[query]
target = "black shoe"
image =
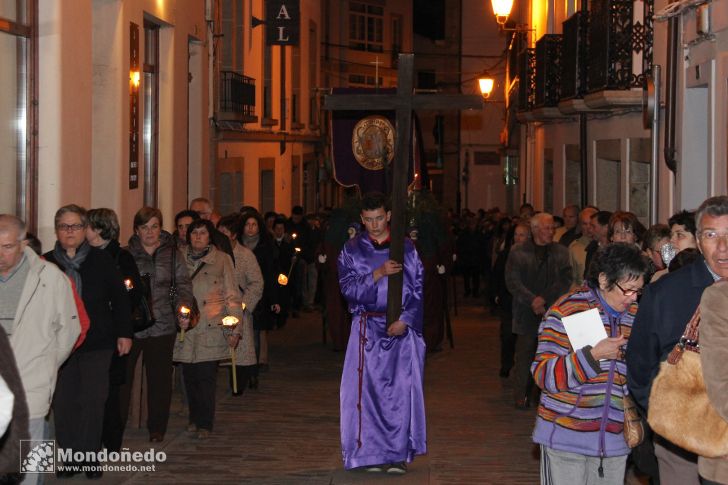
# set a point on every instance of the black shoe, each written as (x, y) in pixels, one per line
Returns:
(504, 373)
(156, 437)
(397, 469)
(63, 474)
(94, 475)
(253, 383)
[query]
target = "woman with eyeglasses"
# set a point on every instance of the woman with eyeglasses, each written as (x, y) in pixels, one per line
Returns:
(625, 227)
(159, 262)
(580, 416)
(83, 380)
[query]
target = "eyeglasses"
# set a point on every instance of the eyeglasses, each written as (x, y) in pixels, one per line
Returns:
(711, 236)
(629, 291)
(623, 231)
(70, 227)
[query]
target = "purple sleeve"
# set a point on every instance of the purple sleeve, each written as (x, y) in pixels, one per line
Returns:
(355, 280)
(412, 291)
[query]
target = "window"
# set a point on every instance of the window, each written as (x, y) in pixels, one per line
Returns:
(396, 35)
(18, 166)
(366, 25)
(150, 136)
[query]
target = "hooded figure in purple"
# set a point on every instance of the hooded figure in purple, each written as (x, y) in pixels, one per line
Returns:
(382, 401)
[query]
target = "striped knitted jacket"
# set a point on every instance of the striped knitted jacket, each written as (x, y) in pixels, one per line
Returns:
(581, 407)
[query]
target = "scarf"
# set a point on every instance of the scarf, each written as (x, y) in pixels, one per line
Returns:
(251, 242)
(72, 266)
(194, 257)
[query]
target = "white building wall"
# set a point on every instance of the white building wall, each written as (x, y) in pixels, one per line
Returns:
(83, 107)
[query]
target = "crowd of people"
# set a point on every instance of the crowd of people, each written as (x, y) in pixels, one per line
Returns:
(77, 320)
(541, 269)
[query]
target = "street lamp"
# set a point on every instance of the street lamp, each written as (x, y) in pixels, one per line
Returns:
(486, 83)
(502, 9)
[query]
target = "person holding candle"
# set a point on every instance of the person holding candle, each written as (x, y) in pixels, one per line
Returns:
(103, 232)
(268, 307)
(158, 259)
(213, 282)
(250, 282)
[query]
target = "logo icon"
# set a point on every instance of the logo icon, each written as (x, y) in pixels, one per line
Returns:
(37, 456)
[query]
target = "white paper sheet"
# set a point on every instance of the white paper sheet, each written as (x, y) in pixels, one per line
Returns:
(585, 328)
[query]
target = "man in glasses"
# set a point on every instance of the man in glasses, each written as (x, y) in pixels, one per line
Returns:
(665, 309)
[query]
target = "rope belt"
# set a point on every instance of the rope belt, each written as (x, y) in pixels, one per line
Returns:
(362, 344)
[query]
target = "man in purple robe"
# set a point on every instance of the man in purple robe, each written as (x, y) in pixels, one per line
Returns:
(382, 401)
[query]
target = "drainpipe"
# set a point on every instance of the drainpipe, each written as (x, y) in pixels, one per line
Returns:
(583, 150)
(673, 38)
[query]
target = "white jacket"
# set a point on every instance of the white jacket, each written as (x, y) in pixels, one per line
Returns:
(44, 331)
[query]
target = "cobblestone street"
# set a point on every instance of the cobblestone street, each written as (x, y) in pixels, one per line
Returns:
(287, 432)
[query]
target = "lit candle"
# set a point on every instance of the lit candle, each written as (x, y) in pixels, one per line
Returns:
(243, 306)
(294, 235)
(230, 321)
(129, 285)
(184, 313)
(282, 279)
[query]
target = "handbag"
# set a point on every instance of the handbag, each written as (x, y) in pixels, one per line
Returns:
(141, 314)
(195, 310)
(634, 427)
(680, 410)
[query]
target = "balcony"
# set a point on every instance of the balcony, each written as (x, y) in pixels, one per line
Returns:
(526, 84)
(620, 52)
(548, 77)
(574, 64)
(237, 98)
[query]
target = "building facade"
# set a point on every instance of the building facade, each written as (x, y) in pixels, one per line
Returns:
(107, 104)
(577, 98)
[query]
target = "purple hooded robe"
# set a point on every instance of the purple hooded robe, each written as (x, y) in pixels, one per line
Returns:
(383, 407)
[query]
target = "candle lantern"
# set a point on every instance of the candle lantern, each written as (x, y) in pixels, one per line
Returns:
(228, 325)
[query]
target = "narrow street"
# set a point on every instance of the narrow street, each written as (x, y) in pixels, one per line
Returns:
(287, 431)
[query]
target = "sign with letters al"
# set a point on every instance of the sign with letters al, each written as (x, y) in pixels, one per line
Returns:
(283, 22)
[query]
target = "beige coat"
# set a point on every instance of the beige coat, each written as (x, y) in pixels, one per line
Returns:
(217, 296)
(713, 357)
(250, 282)
(45, 328)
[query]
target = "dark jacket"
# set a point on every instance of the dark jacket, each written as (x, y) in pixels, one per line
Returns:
(18, 427)
(159, 268)
(282, 256)
(263, 318)
(128, 269)
(526, 278)
(665, 308)
(105, 299)
(304, 238)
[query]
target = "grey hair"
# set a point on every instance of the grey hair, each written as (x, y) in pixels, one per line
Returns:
(537, 219)
(714, 206)
(106, 222)
(9, 222)
(74, 209)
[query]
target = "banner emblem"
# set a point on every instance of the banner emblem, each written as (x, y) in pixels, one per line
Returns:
(372, 142)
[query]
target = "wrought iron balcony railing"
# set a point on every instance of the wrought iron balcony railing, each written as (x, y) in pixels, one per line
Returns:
(548, 70)
(620, 43)
(237, 93)
(526, 79)
(574, 57)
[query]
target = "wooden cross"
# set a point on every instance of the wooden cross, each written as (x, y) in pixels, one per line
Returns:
(404, 102)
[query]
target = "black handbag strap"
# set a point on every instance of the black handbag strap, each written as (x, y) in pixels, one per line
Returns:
(199, 268)
(173, 279)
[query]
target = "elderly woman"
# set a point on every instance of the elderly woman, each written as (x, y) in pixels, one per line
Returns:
(160, 262)
(200, 349)
(103, 232)
(580, 416)
(250, 283)
(83, 380)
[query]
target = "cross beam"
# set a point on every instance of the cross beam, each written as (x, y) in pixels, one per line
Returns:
(404, 102)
